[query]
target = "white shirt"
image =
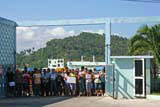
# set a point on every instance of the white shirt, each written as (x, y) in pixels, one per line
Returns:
(97, 80)
(88, 77)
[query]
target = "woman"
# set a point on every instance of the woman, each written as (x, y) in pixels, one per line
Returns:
(97, 82)
(73, 83)
(88, 78)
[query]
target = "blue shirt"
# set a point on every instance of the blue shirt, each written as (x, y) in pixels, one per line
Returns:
(53, 75)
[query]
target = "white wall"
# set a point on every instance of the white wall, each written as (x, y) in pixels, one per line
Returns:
(148, 76)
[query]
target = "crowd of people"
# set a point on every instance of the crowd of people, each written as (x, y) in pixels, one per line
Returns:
(49, 82)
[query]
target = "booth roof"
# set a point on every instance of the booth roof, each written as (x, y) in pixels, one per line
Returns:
(133, 57)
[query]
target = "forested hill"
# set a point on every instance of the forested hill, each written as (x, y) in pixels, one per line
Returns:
(72, 48)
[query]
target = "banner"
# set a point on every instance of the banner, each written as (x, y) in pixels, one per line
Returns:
(71, 80)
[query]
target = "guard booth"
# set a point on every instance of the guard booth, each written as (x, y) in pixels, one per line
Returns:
(7, 50)
(129, 77)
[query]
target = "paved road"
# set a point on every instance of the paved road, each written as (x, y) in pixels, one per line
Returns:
(76, 102)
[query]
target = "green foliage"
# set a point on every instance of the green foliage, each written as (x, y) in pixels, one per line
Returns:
(72, 48)
(146, 41)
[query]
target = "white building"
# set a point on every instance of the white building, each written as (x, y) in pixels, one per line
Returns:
(55, 63)
(88, 64)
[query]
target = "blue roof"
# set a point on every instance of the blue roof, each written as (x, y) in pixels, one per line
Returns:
(99, 68)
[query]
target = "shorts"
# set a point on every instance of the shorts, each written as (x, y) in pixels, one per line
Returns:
(103, 85)
(81, 87)
(26, 86)
(98, 86)
(72, 86)
(88, 86)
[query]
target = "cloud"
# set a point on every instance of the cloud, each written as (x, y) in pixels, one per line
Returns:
(26, 33)
(100, 31)
(60, 32)
(28, 37)
(24, 29)
(117, 34)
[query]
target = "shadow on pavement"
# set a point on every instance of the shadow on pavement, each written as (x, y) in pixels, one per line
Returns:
(30, 101)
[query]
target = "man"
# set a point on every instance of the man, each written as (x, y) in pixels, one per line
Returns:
(45, 82)
(37, 82)
(53, 82)
(102, 78)
(60, 84)
(18, 81)
(66, 85)
(77, 84)
(11, 82)
(81, 81)
(93, 84)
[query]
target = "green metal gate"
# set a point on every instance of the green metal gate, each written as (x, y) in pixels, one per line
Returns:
(110, 80)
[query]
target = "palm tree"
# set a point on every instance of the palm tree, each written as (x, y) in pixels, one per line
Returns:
(146, 40)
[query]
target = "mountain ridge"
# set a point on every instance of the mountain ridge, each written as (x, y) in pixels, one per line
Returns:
(72, 48)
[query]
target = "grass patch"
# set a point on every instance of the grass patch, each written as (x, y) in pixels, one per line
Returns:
(156, 93)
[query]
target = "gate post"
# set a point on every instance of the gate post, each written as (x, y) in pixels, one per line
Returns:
(107, 40)
(108, 85)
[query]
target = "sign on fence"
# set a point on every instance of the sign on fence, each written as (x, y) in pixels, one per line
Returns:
(71, 80)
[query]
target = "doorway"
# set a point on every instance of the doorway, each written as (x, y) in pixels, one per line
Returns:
(139, 76)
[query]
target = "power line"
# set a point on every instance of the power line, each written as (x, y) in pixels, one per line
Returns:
(149, 1)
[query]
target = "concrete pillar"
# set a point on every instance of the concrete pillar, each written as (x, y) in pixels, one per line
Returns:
(107, 40)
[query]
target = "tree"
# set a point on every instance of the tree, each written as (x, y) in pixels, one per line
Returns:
(146, 40)
(72, 48)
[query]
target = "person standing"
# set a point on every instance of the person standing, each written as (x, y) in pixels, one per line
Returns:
(53, 82)
(45, 82)
(81, 82)
(26, 83)
(19, 82)
(77, 84)
(93, 83)
(88, 78)
(60, 84)
(102, 78)
(97, 82)
(49, 81)
(66, 84)
(11, 82)
(37, 82)
(73, 84)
